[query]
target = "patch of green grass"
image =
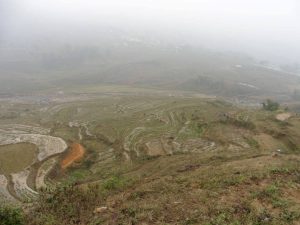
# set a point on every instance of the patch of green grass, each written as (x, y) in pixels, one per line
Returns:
(234, 180)
(270, 192)
(46, 219)
(284, 170)
(252, 143)
(221, 180)
(11, 216)
(63, 203)
(97, 221)
(76, 175)
(225, 217)
(280, 203)
(289, 216)
(114, 183)
(200, 128)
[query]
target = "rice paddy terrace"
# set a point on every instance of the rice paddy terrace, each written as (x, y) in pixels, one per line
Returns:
(143, 137)
(21, 148)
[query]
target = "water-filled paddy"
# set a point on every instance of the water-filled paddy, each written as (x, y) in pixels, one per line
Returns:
(16, 157)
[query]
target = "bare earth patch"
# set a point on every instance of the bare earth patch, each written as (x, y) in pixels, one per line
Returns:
(283, 116)
(76, 154)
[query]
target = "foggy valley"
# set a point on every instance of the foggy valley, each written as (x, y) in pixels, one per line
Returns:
(149, 112)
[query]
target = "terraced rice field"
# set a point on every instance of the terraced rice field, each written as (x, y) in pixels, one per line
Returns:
(115, 130)
(5, 196)
(16, 157)
(22, 147)
(109, 128)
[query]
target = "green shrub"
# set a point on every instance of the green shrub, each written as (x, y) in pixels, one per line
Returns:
(270, 105)
(11, 216)
(114, 183)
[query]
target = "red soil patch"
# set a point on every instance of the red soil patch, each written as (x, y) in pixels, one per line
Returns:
(75, 154)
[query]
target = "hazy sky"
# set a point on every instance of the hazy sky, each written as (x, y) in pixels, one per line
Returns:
(265, 28)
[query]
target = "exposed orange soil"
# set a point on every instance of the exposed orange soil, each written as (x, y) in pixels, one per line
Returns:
(75, 154)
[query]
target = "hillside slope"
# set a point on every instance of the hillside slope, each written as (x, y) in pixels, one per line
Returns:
(163, 160)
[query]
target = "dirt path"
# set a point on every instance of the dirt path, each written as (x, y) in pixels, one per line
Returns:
(75, 154)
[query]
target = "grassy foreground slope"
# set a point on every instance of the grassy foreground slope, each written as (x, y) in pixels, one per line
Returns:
(170, 160)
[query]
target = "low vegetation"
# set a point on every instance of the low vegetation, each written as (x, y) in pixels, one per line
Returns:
(270, 105)
(11, 216)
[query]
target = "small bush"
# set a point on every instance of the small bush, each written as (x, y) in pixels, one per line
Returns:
(114, 183)
(11, 216)
(270, 105)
